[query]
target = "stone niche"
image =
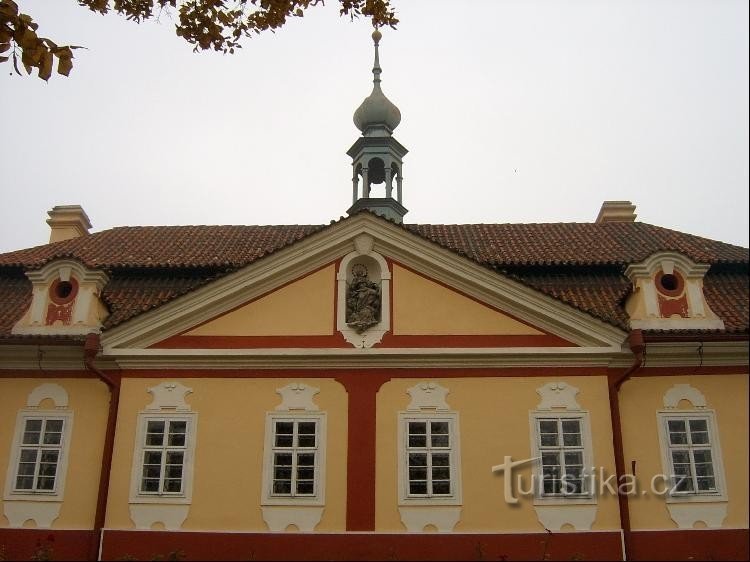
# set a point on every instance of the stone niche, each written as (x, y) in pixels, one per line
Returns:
(363, 313)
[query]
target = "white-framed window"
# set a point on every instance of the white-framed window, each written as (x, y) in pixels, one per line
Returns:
(562, 444)
(163, 458)
(691, 455)
(39, 456)
(294, 459)
(429, 459)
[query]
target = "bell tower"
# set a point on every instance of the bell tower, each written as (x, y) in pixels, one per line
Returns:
(376, 155)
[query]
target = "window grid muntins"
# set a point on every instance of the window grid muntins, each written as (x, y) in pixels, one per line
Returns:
(295, 456)
(691, 456)
(562, 456)
(429, 452)
(164, 449)
(39, 455)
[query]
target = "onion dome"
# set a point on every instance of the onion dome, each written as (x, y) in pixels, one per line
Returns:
(377, 111)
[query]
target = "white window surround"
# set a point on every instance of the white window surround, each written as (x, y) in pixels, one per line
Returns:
(720, 493)
(56, 494)
(540, 498)
(186, 494)
(172, 509)
(364, 244)
(317, 498)
(43, 507)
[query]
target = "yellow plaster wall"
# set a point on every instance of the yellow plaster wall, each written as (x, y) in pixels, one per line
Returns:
(302, 308)
(229, 451)
(641, 398)
(421, 306)
(89, 402)
(494, 422)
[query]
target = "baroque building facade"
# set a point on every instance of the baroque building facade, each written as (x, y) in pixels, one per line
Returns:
(372, 389)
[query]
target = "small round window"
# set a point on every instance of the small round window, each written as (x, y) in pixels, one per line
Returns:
(63, 292)
(670, 284)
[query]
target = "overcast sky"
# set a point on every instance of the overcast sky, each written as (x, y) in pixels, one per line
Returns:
(513, 111)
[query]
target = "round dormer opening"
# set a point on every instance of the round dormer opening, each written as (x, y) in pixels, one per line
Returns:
(63, 292)
(670, 284)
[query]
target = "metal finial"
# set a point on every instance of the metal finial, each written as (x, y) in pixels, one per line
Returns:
(376, 70)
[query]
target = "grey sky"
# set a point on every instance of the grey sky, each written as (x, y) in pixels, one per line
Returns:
(513, 111)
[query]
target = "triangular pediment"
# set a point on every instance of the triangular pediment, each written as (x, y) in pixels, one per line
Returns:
(436, 299)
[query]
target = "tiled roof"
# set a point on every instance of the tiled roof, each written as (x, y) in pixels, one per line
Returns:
(580, 264)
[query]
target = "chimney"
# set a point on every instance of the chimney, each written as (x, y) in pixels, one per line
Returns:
(66, 222)
(616, 211)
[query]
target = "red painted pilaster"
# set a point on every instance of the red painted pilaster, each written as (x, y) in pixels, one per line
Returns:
(362, 392)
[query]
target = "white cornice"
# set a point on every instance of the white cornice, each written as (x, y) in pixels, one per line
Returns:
(323, 248)
(41, 358)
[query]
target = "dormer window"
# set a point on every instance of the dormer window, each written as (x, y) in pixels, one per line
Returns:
(668, 294)
(65, 300)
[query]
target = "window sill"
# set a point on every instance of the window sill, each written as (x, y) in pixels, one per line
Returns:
(573, 500)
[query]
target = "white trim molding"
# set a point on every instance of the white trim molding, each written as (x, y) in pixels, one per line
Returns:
(559, 428)
(161, 479)
(40, 497)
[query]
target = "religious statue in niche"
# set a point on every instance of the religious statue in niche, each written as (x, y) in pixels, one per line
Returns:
(362, 300)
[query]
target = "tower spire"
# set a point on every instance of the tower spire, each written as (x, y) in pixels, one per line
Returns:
(377, 154)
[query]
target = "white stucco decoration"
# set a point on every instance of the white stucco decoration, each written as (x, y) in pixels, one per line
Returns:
(684, 392)
(428, 396)
(558, 395)
(88, 311)
(42, 513)
(146, 515)
(444, 519)
(169, 396)
(297, 396)
(54, 392)
(278, 518)
(686, 515)
(554, 517)
(364, 251)
(643, 303)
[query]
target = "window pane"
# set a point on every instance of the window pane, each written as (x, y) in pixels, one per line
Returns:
(177, 433)
(417, 459)
(282, 487)
(305, 473)
(152, 457)
(698, 425)
(682, 484)
(173, 485)
(676, 425)
(418, 428)
(417, 473)
(282, 459)
(47, 469)
(306, 459)
(680, 457)
(26, 468)
(442, 487)
(417, 440)
(548, 426)
(284, 440)
(439, 428)
(441, 473)
(550, 459)
(440, 440)
(548, 439)
(702, 455)
(704, 469)
(306, 440)
(306, 428)
(572, 439)
(419, 488)
(677, 438)
(699, 437)
(28, 455)
(282, 473)
(53, 432)
(175, 457)
(706, 483)
(574, 458)
(174, 471)
(24, 482)
(150, 485)
(305, 487)
(571, 426)
(54, 426)
(440, 459)
(155, 433)
(151, 471)
(45, 483)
